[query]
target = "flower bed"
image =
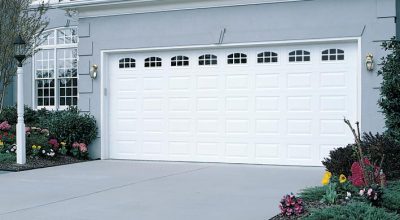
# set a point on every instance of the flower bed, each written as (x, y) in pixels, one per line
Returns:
(363, 193)
(52, 138)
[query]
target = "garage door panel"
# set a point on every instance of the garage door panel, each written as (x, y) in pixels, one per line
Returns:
(287, 113)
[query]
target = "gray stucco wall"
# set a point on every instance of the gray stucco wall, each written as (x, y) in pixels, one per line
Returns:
(372, 20)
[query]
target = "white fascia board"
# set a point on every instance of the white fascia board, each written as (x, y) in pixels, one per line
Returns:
(101, 8)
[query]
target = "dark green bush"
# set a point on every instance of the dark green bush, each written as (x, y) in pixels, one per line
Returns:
(70, 126)
(31, 117)
(312, 194)
(378, 145)
(391, 196)
(340, 160)
(390, 88)
(352, 211)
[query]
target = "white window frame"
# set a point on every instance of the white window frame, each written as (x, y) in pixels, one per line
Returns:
(55, 46)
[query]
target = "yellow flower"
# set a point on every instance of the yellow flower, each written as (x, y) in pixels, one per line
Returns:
(342, 178)
(1, 143)
(326, 178)
(328, 174)
(325, 181)
(63, 143)
(34, 147)
(38, 147)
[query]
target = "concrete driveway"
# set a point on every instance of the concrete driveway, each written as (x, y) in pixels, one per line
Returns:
(135, 190)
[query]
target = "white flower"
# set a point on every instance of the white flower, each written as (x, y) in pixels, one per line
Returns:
(43, 151)
(369, 192)
(349, 194)
(7, 151)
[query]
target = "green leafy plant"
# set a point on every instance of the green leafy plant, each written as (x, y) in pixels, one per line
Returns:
(63, 149)
(31, 117)
(35, 137)
(390, 88)
(331, 195)
(70, 126)
(351, 211)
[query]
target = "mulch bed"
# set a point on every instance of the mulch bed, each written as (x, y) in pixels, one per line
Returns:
(35, 163)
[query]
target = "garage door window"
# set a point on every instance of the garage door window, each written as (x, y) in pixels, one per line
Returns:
(180, 61)
(153, 62)
(237, 58)
(208, 60)
(127, 63)
(267, 57)
(332, 55)
(299, 56)
(55, 69)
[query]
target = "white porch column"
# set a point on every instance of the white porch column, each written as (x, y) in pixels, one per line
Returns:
(21, 148)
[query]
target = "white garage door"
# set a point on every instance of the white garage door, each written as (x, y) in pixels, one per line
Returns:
(263, 105)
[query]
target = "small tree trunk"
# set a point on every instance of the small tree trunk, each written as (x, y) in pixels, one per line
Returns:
(2, 96)
(367, 177)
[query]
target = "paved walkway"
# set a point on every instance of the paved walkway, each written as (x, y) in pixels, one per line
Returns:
(120, 190)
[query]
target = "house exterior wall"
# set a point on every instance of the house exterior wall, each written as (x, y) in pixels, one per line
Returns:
(370, 20)
(57, 18)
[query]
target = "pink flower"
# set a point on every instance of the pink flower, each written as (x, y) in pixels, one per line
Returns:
(82, 147)
(54, 143)
(362, 192)
(75, 145)
(27, 129)
(4, 126)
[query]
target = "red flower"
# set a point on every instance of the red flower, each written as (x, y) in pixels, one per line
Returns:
(357, 174)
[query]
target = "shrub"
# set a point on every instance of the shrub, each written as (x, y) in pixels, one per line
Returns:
(390, 88)
(351, 211)
(31, 117)
(312, 194)
(340, 160)
(378, 145)
(391, 196)
(375, 146)
(70, 126)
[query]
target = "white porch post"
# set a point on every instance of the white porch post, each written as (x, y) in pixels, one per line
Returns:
(21, 149)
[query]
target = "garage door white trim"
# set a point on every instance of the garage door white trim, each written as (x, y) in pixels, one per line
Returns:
(105, 80)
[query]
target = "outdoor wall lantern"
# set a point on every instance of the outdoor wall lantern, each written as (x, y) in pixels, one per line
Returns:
(93, 71)
(369, 62)
(20, 50)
